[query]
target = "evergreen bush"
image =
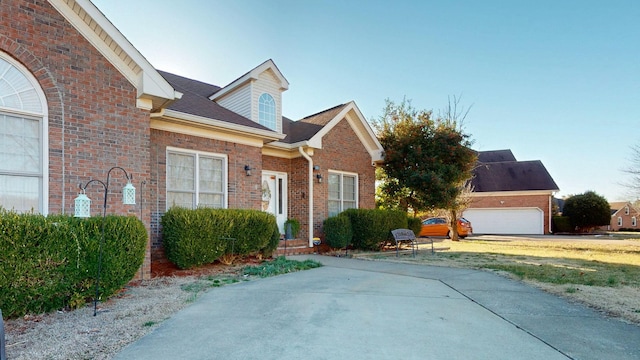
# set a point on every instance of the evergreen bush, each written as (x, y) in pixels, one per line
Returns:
(49, 263)
(337, 232)
(201, 236)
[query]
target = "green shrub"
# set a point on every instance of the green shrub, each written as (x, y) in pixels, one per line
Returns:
(561, 224)
(295, 227)
(414, 224)
(337, 232)
(372, 227)
(201, 236)
(51, 262)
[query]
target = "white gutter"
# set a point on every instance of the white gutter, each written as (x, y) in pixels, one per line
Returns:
(310, 160)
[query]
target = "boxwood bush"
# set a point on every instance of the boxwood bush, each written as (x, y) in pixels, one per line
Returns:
(337, 232)
(372, 227)
(414, 224)
(51, 262)
(562, 224)
(201, 236)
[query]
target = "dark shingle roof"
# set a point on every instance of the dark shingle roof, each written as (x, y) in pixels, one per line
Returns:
(306, 128)
(195, 101)
(495, 156)
(512, 176)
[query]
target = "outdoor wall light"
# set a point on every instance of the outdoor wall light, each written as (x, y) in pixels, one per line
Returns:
(319, 177)
(248, 169)
(83, 210)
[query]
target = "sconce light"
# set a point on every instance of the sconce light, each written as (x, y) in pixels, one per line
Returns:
(248, 169)
(319, 177)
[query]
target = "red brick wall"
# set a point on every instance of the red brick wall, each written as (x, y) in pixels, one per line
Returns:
(342, 151)
(626, 219)
(93, 120)
(518, 201)
(244, 192)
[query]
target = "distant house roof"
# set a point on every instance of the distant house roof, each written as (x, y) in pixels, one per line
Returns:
(617, 206)
(493, 176)
(495, 156)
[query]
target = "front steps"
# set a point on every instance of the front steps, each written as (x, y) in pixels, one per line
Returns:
(297, 247)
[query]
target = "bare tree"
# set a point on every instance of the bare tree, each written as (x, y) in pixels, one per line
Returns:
(634, 170)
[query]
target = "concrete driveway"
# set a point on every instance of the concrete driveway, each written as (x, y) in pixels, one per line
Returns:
(359, 309)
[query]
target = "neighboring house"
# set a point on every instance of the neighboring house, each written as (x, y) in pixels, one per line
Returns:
(623, 216)
(510, 196)
(76, 98)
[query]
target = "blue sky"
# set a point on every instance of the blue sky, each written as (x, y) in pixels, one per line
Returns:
(556, 81)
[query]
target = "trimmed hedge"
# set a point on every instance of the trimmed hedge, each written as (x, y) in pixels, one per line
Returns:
(562, 224)
(337, 232)
(372, 227)
(414, 224)
(49, 263)
(201, 236)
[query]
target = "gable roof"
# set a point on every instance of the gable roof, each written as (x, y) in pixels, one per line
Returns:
(109, 41)
(310, 130)
(495, 156)
(305, 128)
(512, 176)
(195, 101)
(252, 74)
(616, 207)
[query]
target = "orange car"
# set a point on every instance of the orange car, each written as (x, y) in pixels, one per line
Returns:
(437, 226)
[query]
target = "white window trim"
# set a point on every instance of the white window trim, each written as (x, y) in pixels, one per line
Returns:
(44, 129)
(225, 176)
(275, 111)
(619, 220)
(626, 210)
(634, 221)
(357, 188)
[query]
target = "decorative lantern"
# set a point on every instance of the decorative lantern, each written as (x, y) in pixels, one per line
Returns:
(82, 206)
(129, 194)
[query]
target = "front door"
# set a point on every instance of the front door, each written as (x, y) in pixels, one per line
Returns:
(274, 196)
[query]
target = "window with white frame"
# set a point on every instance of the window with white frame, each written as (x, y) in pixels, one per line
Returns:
(619, 220)
(196, 179)
(626, 210)
(23, 139)
(634, 222)
(343, 192)
(267, 111)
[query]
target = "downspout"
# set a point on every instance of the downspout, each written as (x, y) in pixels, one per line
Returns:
(310, 160)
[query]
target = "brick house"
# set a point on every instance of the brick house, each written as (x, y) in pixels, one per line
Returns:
(77, 98)
(623, 215)
(510, 196)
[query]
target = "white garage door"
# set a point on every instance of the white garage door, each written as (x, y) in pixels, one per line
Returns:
(506, 221)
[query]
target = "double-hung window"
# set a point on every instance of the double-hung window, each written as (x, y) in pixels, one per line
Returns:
(23, 140)
(196, 179)
(343, 192)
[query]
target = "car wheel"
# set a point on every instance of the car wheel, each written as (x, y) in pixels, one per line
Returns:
(462, 237)
(449, 235)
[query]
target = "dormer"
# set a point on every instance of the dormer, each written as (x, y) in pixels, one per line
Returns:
(256, 95)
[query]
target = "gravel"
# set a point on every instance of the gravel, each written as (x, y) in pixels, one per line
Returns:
(77, 334)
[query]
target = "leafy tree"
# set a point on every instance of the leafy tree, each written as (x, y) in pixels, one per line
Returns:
(587, 211)
(427, 161)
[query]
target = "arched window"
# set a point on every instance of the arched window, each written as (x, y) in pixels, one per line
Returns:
(23, 139)
(267, 111)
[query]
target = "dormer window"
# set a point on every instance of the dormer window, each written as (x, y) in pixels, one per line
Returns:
(267, 111)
